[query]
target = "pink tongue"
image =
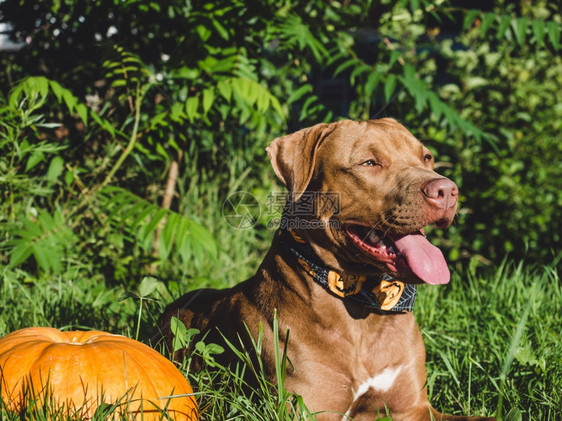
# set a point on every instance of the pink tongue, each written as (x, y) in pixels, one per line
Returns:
(424, 259)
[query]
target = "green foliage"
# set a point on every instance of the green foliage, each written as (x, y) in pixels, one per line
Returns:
(511, 183)
(109, 96)
(46, 237)
(45, 213)
(486, 337)
(209, 84)
(133, 219)
(507, 339)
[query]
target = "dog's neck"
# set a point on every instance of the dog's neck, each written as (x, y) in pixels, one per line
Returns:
(382, 293)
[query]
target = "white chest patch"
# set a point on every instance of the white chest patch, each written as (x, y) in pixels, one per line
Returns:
(381, 382)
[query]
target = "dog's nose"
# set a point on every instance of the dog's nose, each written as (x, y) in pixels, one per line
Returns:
(441, 193)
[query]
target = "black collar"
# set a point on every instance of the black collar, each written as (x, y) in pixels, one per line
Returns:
(384, 294)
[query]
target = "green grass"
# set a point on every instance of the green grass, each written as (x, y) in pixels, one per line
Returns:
(493, 341)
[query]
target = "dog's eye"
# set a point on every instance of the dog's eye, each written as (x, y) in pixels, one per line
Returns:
(427, 157)
(369, 163)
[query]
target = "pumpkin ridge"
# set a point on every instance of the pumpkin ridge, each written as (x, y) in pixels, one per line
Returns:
(156, 390)
(8, 354)
(181, 377)
(36, 366)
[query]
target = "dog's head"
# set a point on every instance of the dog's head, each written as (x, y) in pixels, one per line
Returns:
(361, 193)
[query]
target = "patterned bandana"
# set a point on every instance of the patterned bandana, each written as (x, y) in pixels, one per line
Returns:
(383, 294)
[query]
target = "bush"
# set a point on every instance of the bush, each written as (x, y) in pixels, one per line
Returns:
(140, 117)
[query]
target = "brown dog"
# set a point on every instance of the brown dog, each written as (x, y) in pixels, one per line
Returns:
(342, 271)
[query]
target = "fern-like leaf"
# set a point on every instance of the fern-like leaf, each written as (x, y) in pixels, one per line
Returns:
(139, 220)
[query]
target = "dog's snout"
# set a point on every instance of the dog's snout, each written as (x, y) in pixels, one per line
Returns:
(441, 193)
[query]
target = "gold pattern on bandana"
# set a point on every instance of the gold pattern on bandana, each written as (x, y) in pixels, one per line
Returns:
(388, 293)
(306, 267)
(344, 285)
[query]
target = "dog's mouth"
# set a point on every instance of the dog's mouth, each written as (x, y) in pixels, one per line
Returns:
(405, 255)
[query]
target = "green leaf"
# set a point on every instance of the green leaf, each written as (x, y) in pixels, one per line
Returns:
(225, 65)
(299, 93)
(225, 89)
(357, 71)
(191, 106)
(415, 86)
(487, 20)
(141, 213)
(345, 65)
(204, 32)
(55, 169)
(202, 237)
(221, 30)
(162, 151)
(149, 229)
(126, 295)
(335, 56)
(394, 56)
(186, 73)
(167, 236)
(309, 101)
(419, 91)
(520, 28)
(475, 82)
(553, 29)
(372, 81)
(182, 335)
(48, 125)
(118, 83)
(414, 5)
(82, 112)
(35, 158)
(69, 99)
(138, 211)
(538, 31)
(208, 98)
(42, 85)
(68, 178)
(104, 124)
(263, 101)
(242, 87)
(214, 349)
(57, 89)
(409, 72)
(20, 253)
(504, 24)
(183, 245)
(32, 229)
(469, 19)
(147, 286)
(44, 256)
(276, 105)
(179, 330)
(436, 105)
(389, 86)
(104, 410)
(513, 415)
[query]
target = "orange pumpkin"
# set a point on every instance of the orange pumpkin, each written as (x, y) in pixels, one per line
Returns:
(82, 367)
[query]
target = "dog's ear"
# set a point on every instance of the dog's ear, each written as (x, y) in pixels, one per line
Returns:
(293, 156)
